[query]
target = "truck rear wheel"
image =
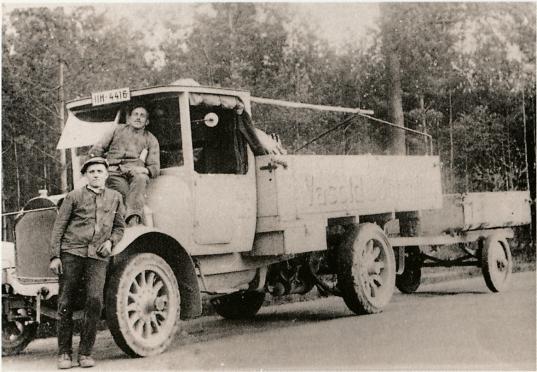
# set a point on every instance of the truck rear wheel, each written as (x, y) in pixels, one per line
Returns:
(143, 305)
(410, 279)
(366, 269)
(239, 305)
(496, 263)
(16, 335)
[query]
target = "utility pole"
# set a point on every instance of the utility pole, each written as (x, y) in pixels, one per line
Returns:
(63, 157)
(17, 175)
(525, 141)
(530, 186)
(451, 157)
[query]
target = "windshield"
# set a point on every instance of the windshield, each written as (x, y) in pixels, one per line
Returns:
(86, 126)
(221, 148)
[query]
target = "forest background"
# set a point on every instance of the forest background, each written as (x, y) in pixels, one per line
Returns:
(461, 72)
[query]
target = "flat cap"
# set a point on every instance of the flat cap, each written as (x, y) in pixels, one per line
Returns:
(94, 160)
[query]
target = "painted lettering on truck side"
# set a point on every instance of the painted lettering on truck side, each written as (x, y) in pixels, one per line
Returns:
(335, 193)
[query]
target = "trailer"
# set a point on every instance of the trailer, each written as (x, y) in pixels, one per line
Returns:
(479, 224)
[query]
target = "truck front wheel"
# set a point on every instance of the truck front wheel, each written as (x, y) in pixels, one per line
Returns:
(366, 269)
(239, 305)
(143, 305)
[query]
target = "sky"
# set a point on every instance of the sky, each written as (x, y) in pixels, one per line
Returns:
(339, 21)
(335, 22)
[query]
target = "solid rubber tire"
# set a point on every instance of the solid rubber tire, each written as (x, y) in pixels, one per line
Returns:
(118, 286)
(14, 347)
(239, 305)
(489, 265)
(410, 279)
(351, 271)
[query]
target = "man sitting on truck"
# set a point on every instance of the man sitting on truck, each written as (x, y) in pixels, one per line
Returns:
(133, 155)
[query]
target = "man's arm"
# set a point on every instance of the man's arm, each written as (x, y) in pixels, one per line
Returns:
(60, 224)
(101, 147)
(118, 226)
(152, 162)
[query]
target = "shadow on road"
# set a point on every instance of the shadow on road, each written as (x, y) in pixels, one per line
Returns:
(447, 293)
(219, 328)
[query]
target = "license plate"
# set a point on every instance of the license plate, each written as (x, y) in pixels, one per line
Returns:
(110, 96)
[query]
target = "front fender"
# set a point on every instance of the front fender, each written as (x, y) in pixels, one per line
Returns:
(130, 235)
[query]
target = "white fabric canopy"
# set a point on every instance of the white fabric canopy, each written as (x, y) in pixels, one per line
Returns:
(78, 133)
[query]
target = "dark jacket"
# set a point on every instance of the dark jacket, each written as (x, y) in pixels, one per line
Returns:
(86, 220)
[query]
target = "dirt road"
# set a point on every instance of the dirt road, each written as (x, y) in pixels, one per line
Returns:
(452, 325)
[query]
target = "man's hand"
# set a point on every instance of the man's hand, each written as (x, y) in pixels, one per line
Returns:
(56, 266)
(105, 249)
(138, 170)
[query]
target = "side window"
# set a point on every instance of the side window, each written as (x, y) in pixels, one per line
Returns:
(220, 149)
(164, 123)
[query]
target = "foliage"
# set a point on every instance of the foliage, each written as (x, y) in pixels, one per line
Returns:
(464, 69)
(35, 41)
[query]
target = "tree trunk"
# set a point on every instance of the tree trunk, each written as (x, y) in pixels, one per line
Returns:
(397, 136)
(396, 142)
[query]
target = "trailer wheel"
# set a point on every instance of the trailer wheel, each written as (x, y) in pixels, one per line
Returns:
(142, 305)
(366, 269)
(16, 335)
(410, 279)
(496, 263)
(239, 305)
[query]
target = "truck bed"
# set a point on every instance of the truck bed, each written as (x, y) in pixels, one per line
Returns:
(297, 194)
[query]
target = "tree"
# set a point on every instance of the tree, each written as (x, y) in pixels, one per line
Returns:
(237, 45)
(35, 40)
(391, 49)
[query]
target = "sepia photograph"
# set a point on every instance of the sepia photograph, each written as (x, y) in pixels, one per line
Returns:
(268, 185)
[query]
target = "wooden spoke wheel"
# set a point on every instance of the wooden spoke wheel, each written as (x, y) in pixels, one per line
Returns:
(143, 305)
(496, 263)
(366, 269)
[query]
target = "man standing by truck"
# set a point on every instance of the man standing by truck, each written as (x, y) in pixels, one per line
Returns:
(89, 223)
(134, 156)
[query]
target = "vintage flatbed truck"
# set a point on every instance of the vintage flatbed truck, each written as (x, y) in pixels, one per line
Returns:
(227, 221)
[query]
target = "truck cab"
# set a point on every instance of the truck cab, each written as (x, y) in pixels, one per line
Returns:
(205, 195)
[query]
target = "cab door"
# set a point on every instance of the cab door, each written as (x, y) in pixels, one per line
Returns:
(223, 181)
(225, 208)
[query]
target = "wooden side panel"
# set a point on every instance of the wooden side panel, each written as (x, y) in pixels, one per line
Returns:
(321, 187)
(496, 209)
(464, 212)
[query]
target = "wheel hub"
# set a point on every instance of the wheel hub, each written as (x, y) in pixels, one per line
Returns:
(159, 304)
(500, 259)
(372, 260)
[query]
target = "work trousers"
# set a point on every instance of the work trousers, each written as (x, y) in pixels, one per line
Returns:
(132, 187)
(80, 271)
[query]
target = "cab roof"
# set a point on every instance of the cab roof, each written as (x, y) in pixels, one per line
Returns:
(244, 95)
